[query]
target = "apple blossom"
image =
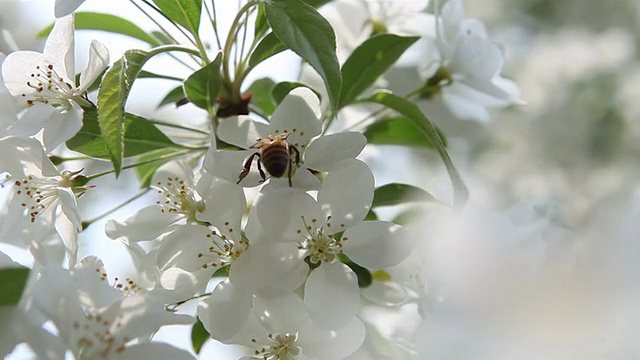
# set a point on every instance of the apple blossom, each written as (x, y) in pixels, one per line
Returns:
(40, 195)
(45, 82)
(66, 7)
(461, 67)
(280, 328)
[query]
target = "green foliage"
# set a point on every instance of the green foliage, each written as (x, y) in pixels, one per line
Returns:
(202, 87)
(12, 283)
(309, 35)
(113, 93)
(199, 336)
(176, 94)
(413, 113)
(364, 275)
(183, 12)
(261, 97)
(152, 161)
(398, 131)
(394, 194)
(268, 46)
(140, 136)
(108, 23)
(368, 61)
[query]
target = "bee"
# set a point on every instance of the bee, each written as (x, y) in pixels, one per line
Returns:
(275, 154)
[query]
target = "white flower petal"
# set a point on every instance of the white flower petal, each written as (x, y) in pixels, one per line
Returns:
(377, 244)
(225, 312)
(62, 126)
(229, 164)
(33, 120)
(347, 193)
(66, 7)
(476, 57)
(326, 151)
(453, 96)
(98, 61)
(268, 267)
(332, 296)
(147, 351)
(58, 49)
(317, 343)
(281, 212)
(146, 224)
(283, 314)
(242, 131)
(294, 112)
(386, 293)
(16, 70)
(225, 204)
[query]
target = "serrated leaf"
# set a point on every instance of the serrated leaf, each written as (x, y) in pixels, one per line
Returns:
(146, 171)
(140, 136)
(106, 22)
(183, 12)
(261, 97)
(308, 34)
(394, 194)
(175, 95)
(398, 131)
(112, 96)
(370, 60)
(12, 283)
(202, 87)
(282, 89)
(199, 336)
(268, 46)
(413, 113)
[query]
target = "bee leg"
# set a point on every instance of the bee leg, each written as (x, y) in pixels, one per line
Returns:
(293, 149)
(264, 177)
(247, 167)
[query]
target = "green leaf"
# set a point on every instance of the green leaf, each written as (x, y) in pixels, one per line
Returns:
(394, 194)
(175, 95)
(140, 136)
(282, 89)
(199, 336)
(149, 75)
(412, 112)
(364, 275)
(202, 87)
(268, 46)
(183, 12)
(146, 171)
(370, 60)
(106, 22)
(261, 97)
(261, 25)
(12, 283)
(113, 93)
(398, 131)
(308, 34)
(316, 3)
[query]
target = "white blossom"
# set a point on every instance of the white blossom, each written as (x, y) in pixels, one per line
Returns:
(45, 82)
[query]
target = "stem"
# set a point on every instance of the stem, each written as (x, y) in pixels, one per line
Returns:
(86, 223)
(214, 23)
(231, 40)
(163, 157)
(165, 32)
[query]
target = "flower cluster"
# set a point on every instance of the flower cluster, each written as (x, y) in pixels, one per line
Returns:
(267, 214)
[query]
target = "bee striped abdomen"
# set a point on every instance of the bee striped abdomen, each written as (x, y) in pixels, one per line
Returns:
(275, 158)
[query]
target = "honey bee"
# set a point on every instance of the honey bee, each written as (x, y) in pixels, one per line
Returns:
(277, 156)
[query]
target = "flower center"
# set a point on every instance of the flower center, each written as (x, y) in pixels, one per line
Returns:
(281, 347)
(50, 87)
(95, 335)
(38, 194)
(320, 243)
(179, 198)
(222, 251)
(440, 79)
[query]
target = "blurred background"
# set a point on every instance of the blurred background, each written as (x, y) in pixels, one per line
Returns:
(567, 161)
